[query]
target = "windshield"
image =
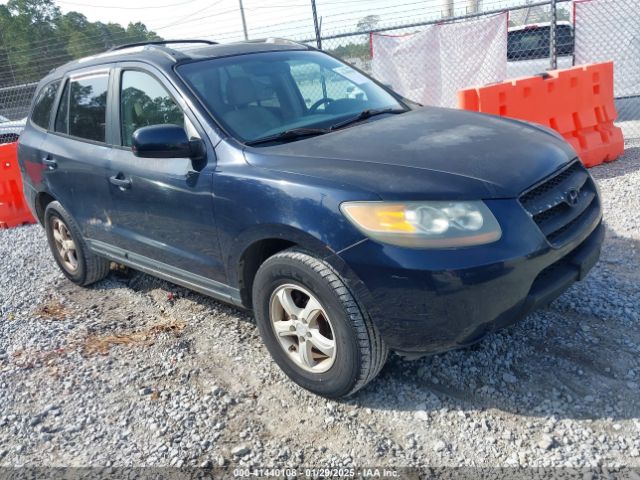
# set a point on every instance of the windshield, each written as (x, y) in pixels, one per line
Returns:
(263, 94)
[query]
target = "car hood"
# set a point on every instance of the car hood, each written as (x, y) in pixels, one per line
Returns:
(426, 153)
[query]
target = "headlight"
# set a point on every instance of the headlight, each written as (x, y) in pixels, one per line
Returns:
(425, 224)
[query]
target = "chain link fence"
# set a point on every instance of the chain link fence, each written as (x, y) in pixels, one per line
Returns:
(529, 32)
(20, 74)
(14, 100)
(539, 35)
(610, 30)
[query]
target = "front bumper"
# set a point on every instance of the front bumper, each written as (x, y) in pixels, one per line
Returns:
(436, 300)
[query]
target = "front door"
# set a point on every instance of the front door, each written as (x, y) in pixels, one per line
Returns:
(162, 208)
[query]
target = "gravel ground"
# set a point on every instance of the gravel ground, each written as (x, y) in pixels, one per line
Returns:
(137, 372)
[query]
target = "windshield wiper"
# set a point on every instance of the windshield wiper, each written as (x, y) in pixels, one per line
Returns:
(363, 115)
(294, 133)
(289, 135)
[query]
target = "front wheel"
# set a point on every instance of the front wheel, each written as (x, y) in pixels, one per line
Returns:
(313, 327)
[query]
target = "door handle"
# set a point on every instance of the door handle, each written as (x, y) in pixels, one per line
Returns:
(50, 162)
(120, 181)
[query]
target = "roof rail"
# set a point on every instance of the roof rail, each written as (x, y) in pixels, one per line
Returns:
(159, 42)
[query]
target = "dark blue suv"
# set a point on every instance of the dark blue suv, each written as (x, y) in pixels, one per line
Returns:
(275, 177)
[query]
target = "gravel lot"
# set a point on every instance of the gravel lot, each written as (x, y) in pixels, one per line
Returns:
(137, 372)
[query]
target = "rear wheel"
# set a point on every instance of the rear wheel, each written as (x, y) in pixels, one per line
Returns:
(313, 327)
(69, 248)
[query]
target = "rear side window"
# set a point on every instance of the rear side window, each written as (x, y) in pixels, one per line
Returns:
(44, 103)
(83, 108)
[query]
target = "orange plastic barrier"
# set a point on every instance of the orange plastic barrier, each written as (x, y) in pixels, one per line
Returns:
(576, 102)
(13, 209)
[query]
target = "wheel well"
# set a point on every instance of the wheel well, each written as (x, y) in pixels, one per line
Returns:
(42, 200)
(251, 260)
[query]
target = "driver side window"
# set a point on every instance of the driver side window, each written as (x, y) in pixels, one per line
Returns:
(319, 85)
(143, 102)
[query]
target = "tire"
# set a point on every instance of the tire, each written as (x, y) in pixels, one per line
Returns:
(89, 268)
(359, 352)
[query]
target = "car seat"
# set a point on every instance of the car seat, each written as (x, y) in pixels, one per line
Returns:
(251, 121)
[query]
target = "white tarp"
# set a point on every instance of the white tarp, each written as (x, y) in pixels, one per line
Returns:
(430, 66)
(610, 30)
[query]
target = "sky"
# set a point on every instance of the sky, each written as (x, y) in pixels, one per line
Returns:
(220, 19)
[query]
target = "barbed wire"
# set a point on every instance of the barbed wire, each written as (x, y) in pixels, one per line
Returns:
(43, 45)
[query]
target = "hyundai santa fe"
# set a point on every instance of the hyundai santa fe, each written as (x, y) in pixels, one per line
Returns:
(275, 177)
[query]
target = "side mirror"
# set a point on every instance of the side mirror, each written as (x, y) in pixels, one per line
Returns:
(165, 141)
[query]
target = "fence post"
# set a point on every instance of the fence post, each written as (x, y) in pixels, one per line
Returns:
(244, 21)
(316, 25)
(553, 51)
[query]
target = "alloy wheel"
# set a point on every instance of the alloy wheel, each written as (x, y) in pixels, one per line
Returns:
(65, 245)
(303, 328)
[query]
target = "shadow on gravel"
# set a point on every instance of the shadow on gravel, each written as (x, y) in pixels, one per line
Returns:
(577, 359)
(628, 163)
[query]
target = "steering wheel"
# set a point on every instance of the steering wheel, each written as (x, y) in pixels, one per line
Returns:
(313, 108)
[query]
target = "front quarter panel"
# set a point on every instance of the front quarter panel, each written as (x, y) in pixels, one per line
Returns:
(253, 203)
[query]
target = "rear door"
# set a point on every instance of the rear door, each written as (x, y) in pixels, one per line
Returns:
(35, 172)
(163, 215)
(77, 152)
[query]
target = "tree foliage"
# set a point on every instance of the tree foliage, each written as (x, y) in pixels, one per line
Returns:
(35, 37)
(360, 50)
(352, 50)
(368, 23)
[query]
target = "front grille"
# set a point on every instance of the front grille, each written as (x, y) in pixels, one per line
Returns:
(563, 204)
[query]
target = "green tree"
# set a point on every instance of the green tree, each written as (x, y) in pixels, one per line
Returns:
(368, 23)
(352, 50)
(139, 30)
(37, 11)
(36, 37)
